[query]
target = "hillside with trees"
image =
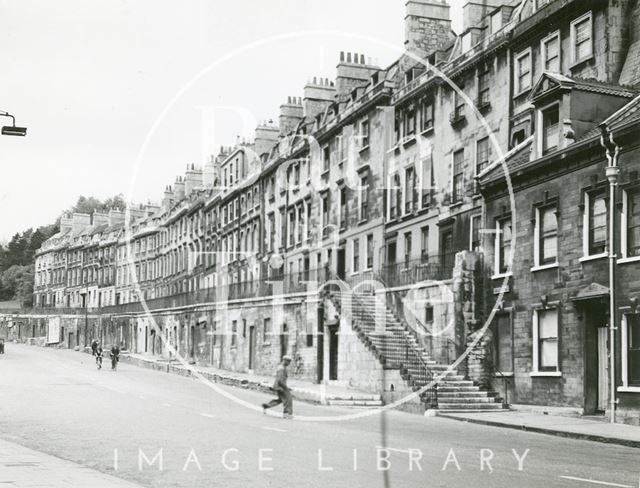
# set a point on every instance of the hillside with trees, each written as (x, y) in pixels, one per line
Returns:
(18, 255)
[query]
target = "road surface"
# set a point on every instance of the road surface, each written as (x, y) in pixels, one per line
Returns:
(163, 430)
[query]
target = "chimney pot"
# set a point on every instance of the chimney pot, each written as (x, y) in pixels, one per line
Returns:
(348, 57)
(342, 56)
(362, 59)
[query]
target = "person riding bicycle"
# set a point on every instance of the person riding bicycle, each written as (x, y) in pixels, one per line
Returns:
(115, 356)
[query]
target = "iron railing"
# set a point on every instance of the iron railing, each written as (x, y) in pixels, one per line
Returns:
(409, 272)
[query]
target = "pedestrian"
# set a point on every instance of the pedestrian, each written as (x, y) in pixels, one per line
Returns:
(94, 346)
(282, 390)
(1, 346)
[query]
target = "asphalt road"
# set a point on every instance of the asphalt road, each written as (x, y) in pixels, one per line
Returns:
(55, 401)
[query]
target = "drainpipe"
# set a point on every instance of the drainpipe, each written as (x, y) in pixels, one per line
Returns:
(612, 171)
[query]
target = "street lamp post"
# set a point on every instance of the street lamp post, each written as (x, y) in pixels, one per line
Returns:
(612, 172)
(12, 130)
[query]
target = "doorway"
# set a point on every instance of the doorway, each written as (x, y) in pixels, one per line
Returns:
(333, 352)
(596, 378)
(252, 347)
(341, 263)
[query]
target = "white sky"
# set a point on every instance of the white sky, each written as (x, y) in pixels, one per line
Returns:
(90, 78)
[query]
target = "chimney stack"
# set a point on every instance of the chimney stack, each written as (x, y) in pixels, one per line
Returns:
(66, 223)
(99, 218)
(115, 217)
(192, 179)
(474, 12)
(318, 95)
(179, 191)
(291, 114)
(351, 73)
(80, 221)
(266, 137)
(427, 26)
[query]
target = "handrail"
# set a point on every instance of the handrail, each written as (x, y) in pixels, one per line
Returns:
(423, 367)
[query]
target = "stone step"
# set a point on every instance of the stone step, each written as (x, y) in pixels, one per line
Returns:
(455, 383)
(462, 394)
(444, 388)
(465, 400)
(473, 407)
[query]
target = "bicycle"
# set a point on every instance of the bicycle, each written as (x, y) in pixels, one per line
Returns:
(99, 361)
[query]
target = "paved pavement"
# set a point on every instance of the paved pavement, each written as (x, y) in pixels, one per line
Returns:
(21, 467)
(55, 402)
(577, 428)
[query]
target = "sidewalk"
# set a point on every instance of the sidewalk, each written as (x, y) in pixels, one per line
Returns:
(573, 427)
(22, 467)
(301, 390)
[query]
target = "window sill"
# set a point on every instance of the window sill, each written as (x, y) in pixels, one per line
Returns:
(577, 64)
(501, 276)
(363, 149)
(548, 374)
(594, 257)
(544, 266)
(363, 221)
(629, 389)
(325, 173)
(456, 204)
(427, 132)
(633, 259)
(505, 375)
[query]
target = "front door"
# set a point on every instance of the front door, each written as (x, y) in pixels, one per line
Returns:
(596, 377)
(284, 341)
(333, 353)
(603, 369)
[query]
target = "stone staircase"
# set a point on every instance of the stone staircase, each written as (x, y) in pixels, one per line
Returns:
(396, 347)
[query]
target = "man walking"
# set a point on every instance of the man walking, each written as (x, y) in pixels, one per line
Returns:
(94, 346)
(282, 390)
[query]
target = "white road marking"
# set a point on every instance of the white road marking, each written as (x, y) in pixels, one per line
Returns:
(274, 429)
(208, 415)
(595, 482)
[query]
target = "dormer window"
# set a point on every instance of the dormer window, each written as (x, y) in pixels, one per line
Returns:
(375, 78)
(550, 129)
(466, 42)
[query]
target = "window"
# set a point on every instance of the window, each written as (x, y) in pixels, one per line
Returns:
(428, 314)
(458, 176)
(483, 154)
(550, 50)
(426, 111)
(631, 224)
(474, 236)
(550, 129)
(407, 248)
(356, 255)
(502, 343)
(325, 214)
(234, 333)
(291, 229)
(370, 251)
(503, 245)
(266, 331)
(631, 348)
(364, 133)
(272, 231)
(523, 72)
(595, 223)
(343, 207)
(459, 102)
(424, 243)
(283, 229)
(364, 198)
(308, 220)
(395, 192)
(483, 86)
(545, 345)
(410, 121)
(427, 180)
(547, 229)
(410, 189)
(582, 38)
